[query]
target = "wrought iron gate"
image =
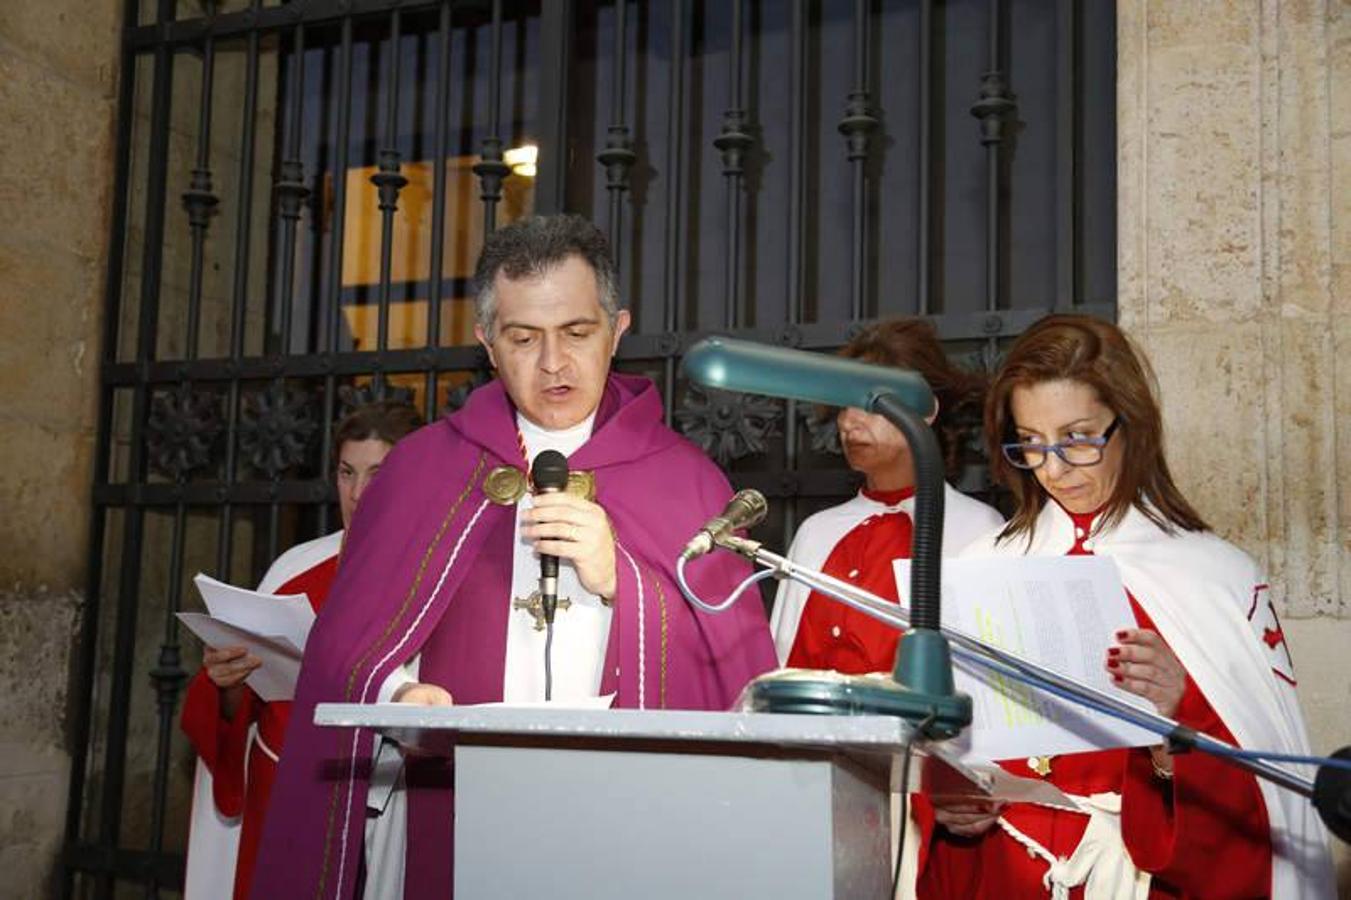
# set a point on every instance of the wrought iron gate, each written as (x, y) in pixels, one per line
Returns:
(301, 189)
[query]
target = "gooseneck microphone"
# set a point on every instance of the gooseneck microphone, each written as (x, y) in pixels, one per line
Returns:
(549, 474)
(744, 510)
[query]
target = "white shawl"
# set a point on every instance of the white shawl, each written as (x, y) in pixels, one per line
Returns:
(1208, 600)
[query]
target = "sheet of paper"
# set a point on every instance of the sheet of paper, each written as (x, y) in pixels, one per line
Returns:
(289, 616)
(569, 703)
(1061, 612)
(276, 678)
(987, 781)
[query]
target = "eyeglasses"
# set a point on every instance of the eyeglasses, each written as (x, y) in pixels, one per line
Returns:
(1082, 451)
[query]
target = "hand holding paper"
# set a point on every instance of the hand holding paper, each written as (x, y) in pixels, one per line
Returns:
(1062, 612)
(271, 628)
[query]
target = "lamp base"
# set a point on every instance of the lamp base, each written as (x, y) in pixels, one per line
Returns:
(825, 693)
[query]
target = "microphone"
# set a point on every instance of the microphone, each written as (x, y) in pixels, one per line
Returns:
(752, 368)
(1332, 796)
(744, 510)
(549, 474)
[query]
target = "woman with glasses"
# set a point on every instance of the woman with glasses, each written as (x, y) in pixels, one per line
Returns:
(857, 540)
(1075, 433)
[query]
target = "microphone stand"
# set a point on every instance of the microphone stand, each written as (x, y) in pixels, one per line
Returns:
(922, 689)
(973, 650)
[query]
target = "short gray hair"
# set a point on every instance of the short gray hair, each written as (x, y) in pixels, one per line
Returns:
(530, 248)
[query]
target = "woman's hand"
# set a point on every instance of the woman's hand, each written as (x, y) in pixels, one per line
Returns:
(964, 816)
(227, 667)
(1143, 664)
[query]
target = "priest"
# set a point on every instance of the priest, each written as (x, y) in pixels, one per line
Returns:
(434, 602)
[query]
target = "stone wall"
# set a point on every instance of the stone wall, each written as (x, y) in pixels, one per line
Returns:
(1234, 123)
(58, 71)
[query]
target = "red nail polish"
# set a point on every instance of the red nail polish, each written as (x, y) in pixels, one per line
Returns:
(1113, 663)
(1117, 678)
(1113, 651)
(1122, 635)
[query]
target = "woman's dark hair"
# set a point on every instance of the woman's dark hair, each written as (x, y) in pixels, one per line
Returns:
(386, 420)
(1097, 354)
(913, 344)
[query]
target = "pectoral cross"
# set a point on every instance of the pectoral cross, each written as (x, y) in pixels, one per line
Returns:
(534, 604)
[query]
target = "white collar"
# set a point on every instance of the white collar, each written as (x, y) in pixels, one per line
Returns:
(565, 440)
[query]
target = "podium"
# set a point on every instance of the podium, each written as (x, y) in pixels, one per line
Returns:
(573, 803)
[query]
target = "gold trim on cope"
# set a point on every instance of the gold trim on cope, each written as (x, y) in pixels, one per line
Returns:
(505, 485)
(582, 484)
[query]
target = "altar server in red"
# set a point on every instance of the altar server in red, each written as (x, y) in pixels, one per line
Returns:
(1075, 432)
(237, 736)
(857, 540)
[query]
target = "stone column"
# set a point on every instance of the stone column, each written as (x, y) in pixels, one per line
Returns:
(1234, 192)
(58, 71)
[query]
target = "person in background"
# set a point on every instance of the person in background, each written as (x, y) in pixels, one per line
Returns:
(857, 540)
(237, 736)
(1074, 430)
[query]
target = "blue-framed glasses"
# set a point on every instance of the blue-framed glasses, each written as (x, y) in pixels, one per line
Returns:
(1079, 451)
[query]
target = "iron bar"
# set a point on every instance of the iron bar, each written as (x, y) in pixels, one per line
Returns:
(618, 156)
(810, 336)
(264, 21)
(1068, 287)
(440, 116)
(168, 677)
(83, 671)
(797, 239)
(244, 204)
(675, 220)
(992, 108)
(555, 59)
(124, 646)
(734, 143)
(388, 180)
(924, 231)
(290, 188)
(857, 127)
(491, 169)
(199, 199)
(334, 294)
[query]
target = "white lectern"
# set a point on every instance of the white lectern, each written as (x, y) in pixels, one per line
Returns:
(628, 804)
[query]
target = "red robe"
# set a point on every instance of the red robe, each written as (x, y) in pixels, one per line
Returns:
(834, 636)
(243, 770)
(1203, 834)
(856, 542)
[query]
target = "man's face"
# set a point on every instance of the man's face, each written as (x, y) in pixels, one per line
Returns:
(553, 344)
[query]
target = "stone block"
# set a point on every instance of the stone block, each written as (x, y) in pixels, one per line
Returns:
(58, 141)
(31, 831)
(1319, 650)
(80, 42)
(1202, 186)
(1301, 180)
(49, 335)
(1215, 433)
(37, 636)
(1341, 363)
(44, 487)
(1302, 460)
(1202, 24)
